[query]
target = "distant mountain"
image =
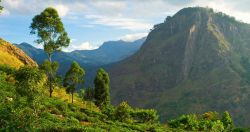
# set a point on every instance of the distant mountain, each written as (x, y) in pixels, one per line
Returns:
(12, 56)
(111, 51)
(91, 60)
(196, 61)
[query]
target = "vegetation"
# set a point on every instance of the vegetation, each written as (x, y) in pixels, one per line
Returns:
(101, 93)
(73, 77)
(51, 33)
(1, 8)
(25, 106)
(197, 60)
(12, 56)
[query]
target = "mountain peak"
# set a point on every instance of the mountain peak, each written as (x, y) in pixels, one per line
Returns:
(196, 56)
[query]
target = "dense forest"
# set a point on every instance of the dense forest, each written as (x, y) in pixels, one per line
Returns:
(35, 98)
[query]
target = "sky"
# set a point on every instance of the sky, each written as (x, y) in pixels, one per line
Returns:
(89, 23)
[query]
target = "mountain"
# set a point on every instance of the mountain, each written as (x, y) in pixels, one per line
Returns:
(112, 51)
(91, 60)
(196, 61)
(12, 56)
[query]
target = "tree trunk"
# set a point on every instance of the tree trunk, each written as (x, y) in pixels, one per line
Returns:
(50, 77)
(72, 97)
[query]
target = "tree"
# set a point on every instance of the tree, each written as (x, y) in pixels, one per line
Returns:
(51, 33)
(73, 77)
(50, 69)
(101, 92)
(1, 8)
(227, 121)
(122, 112)
(28, 81)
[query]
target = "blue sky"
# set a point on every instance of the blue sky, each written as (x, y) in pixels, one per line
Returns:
(91, 22)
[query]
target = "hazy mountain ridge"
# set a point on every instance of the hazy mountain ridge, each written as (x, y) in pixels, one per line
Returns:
(190, 63)
(91, 60)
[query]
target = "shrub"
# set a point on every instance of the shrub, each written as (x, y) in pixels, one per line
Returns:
(122, 112)
(187, 122)
(144, 115)
(29, 80)
(227, 121)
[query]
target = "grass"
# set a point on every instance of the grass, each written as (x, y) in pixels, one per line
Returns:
(8, 59)
(61, 94)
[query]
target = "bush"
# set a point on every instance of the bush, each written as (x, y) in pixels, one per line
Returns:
(187, 122)
(144, 115)
(122, 112)
(29, 80)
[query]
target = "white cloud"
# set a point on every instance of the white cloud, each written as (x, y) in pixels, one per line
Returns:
(133, 37)
(119, 22)
(82, 46)
(62, 10)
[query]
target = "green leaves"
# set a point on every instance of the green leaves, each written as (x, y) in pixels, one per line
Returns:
(28, 81)
(50, 31)
(73, 77)
(1, 8)
(102, 95)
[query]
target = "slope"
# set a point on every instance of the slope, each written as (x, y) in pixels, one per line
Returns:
(191, 63)
(12, 56)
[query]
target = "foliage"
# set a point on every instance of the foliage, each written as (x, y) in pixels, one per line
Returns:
(1, 8)
(145, 115)
(101, 94)
(209, 121)
(28, 81)
(50, 69)
(227, 121)
(87, 94)
(73, 77)
(122, 112)
(51, 33)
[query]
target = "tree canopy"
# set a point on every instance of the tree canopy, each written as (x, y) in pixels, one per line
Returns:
(102, 95)
(73, 77)
(1, 8)
(50, 31)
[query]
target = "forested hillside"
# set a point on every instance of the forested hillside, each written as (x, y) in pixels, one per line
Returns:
(189, 66)
(195, 61)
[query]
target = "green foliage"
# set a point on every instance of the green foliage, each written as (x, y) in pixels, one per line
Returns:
(145, 115)
(1, 8)
(73, 77)
(209, 121)
(101, 94)
(89, 94)
(50, 68)
(50, 31)
(227, 121)
(28, 81)
(122, 112)
(8, 70)
(187, 122)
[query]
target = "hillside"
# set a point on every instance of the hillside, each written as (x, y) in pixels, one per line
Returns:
(13, 56)
(197, 60)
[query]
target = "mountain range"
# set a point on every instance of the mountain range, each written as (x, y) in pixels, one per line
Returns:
(195, 61)
(91, 60)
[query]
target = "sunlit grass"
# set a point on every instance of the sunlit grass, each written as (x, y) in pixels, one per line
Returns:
(61, 94)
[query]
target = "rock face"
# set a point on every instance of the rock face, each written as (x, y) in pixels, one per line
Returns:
(196, 61)
(13, 56)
